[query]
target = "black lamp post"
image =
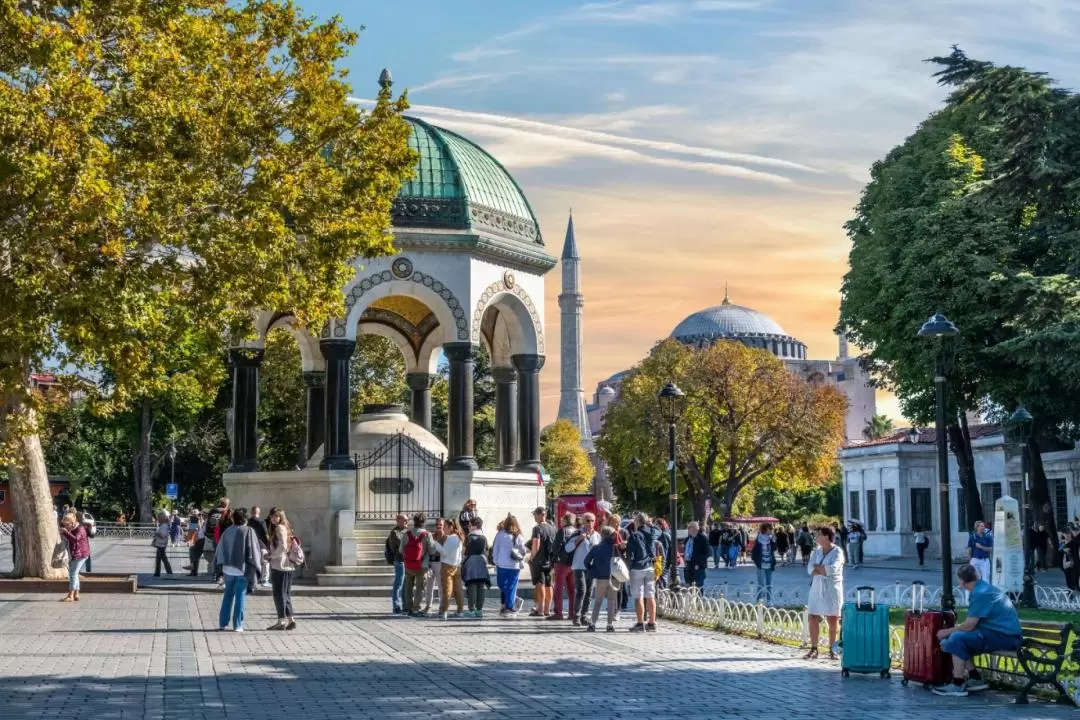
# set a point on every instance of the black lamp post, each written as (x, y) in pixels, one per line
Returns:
(671, 401)
(1020, 426)
(635, 471)
(942, 331)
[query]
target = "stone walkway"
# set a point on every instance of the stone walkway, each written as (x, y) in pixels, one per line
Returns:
(122, 657)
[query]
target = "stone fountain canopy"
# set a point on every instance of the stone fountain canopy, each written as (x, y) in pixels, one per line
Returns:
(379, 423)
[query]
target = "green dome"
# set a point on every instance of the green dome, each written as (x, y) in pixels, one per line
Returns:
(459, 186)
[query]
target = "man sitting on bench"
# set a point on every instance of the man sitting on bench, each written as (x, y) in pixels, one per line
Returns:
(991, 626)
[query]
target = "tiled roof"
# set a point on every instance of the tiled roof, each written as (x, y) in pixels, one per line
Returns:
(927, 436)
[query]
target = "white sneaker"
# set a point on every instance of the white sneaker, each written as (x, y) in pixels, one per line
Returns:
(973, 685)
(240, 629)
(950, 690)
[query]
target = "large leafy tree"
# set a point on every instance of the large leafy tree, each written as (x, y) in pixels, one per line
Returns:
(747, 421)
(165, 170)
(565, 460)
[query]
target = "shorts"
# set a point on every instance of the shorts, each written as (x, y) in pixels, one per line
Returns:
(541, 574)
(966, 644)
(643, 584)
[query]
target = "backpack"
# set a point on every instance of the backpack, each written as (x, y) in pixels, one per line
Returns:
(296, 551)
(388, 553)
(563, 557)
(413, 552)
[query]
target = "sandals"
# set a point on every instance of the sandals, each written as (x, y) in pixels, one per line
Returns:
(812, 655)
(833, 655)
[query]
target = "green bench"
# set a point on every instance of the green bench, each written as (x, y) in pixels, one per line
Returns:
(1041, 656)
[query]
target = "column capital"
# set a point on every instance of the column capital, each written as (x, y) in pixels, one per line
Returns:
(245, 356)
(460, 351)
(528, 363)
(504, 375)
(420, 381)
(314, 378)
(337, 349)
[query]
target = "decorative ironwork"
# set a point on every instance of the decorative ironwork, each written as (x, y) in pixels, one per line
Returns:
(505, 223)
(402, 267)
(399, 476)
(417, 212)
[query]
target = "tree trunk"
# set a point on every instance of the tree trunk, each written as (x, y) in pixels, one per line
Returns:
(960, 444)
(1042, 509)
(36, 528)
(144, 465)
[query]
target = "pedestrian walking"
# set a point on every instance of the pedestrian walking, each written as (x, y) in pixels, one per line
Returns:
(579, 546)
(281, 568)
(175, 528)
(715, 536)
(922, 541)
(695, 556)
(855, 545)
(474, 568)
(564, 569)
(826, 570)
(805, 540)
(395, 543)
(764, 558)
(198, 542)
(468, 512)
(508, 551)
(160, 541)
(598, 565)
(211, 535)
(450, 550)
(78, 550)
(238, 557)
(783, 543)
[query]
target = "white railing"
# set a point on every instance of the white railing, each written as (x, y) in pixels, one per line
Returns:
(1054, 598)
(896, 595)
(791, 625)
(128, 530)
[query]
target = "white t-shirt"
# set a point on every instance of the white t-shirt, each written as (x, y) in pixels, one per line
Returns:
(920, 538)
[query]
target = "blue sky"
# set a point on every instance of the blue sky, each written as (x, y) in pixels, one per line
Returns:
(698, 141)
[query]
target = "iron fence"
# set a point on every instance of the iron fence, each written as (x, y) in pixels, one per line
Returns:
(399, 476)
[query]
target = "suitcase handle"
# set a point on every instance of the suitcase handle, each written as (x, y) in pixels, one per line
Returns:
(859, 597)
(918, 597)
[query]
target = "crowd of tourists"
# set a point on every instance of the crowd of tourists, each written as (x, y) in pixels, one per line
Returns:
(586, 562)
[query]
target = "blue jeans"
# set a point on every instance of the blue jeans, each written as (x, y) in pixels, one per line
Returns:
(716, 556)
(966, 644)
(507, 579)
(233, 602)
(764, 581)
(399, 582)
(74, 568)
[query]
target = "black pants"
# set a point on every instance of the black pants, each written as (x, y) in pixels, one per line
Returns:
(160, 558)
(282, 582)
(583, 587)
(477, 592)
(195, 553)
(921, 549)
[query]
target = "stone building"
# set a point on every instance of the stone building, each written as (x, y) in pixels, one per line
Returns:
(890, 486)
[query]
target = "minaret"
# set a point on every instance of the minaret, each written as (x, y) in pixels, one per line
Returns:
(572, 395)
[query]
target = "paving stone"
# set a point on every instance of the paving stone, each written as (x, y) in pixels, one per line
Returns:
(160, 656)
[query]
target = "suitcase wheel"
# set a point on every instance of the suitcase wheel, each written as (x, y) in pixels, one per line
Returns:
(904, 682)
(845, 672)
(885, 674)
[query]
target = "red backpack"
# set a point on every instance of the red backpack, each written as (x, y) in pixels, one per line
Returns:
(415, 548)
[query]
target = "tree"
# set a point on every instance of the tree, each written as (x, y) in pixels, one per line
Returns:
(565, 460)
(878, 427)
(483, 408)
(747, 420)
(167, 169)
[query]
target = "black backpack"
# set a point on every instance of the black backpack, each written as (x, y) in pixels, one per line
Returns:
(561, 538)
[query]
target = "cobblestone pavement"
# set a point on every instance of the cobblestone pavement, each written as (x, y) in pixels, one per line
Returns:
(122, 657)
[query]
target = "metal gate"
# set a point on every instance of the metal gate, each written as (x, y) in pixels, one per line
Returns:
(399, 476)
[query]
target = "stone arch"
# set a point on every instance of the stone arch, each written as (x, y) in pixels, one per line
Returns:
(395, 337)
(311, 358)
(403, 280)
(518, 313)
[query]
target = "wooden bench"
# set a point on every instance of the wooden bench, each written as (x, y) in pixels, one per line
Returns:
(1040, 657)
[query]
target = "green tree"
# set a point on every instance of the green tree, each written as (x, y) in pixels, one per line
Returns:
(565, 460)
(166, 170)
(878, 427)
(747, 421)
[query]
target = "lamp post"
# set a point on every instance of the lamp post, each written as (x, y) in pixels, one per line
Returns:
(1020, 425)
(172, 459)
(941, 331)
(635, 471)
(671, 401)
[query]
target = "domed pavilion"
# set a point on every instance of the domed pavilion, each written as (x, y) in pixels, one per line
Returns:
(728, 321)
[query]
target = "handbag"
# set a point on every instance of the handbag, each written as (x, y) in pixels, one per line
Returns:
(619, 570)
(60, 555)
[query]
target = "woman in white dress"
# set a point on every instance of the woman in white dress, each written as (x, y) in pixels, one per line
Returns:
(826, 569)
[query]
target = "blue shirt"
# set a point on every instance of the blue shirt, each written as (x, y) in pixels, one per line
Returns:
(986, 539)
(994, 610)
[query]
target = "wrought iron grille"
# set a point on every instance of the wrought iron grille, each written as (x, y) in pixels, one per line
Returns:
(399, 476)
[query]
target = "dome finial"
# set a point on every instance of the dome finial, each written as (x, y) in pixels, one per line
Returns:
(385, 80)
(727, 298)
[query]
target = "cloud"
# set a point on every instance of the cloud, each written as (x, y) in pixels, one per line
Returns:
(477, 54)
(447, 82)
(728, 5)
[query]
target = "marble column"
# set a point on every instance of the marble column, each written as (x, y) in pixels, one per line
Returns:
(336, 448)
(420, 385)
(245, 402)
(506, 416)
(528, 367)
(315, 382)
(462, 359)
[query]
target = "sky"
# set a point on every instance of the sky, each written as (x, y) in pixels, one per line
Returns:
(698, 141)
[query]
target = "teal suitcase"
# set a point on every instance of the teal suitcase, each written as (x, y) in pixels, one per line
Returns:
(864, 635)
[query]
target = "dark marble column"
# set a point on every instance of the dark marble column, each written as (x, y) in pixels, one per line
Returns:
(528, 367)
(245, 402)
(336, 449)
(506, 416)
(462, 359)
(315, 382)
(420, 384)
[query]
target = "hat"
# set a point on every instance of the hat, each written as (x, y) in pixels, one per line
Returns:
(540, 510)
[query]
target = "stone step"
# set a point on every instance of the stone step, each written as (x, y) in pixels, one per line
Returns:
(354, 579)
(383, 569)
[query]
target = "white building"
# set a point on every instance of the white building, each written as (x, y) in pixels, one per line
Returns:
(890, 486)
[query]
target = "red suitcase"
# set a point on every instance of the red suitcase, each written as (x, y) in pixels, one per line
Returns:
(924, 660)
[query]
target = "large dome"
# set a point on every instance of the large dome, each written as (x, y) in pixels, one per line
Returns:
(459, 186)
(728, 321)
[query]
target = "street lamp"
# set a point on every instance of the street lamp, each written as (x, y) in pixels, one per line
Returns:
(635, 471)
(671, 402)
(1020, 426)
(941, 330)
